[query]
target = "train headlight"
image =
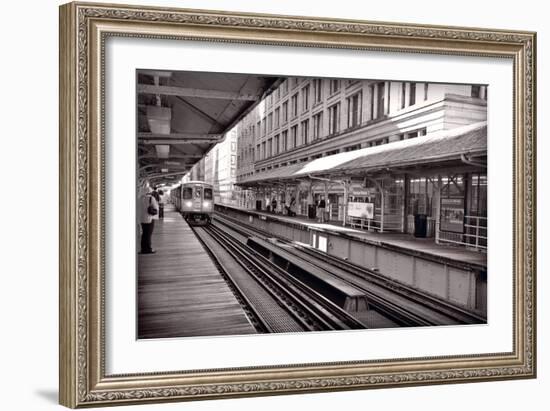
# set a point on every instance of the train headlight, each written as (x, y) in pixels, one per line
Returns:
(206, 203)
(188, 204)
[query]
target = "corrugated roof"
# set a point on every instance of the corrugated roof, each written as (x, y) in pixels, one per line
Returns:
(438, 146)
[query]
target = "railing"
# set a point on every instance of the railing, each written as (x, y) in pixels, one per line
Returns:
(475, 234)
(392, 221)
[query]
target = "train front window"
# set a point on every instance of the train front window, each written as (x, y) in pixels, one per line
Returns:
(198, 192)
(187, 193)
(208, 194)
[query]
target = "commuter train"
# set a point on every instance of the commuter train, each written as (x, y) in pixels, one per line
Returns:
(195, 201)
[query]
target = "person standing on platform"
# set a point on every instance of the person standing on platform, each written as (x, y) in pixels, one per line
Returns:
(161, 204)
(273, 205)
(291, 207)
(148, 210)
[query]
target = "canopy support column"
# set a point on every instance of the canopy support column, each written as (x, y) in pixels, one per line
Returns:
(405, 204)
(347, 186)
(437, 199)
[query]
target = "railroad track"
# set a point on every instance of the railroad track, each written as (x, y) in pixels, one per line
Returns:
(274, 301)
(405, 305)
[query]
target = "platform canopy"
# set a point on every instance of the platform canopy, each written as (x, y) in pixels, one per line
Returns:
(182, 114)
(457, 147)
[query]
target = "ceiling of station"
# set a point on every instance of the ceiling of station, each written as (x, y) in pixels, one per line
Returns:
(182, 114)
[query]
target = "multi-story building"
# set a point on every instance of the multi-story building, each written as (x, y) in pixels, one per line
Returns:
(305, 119)
(218, 167)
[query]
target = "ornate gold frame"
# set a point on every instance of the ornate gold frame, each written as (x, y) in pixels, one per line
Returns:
(83, 30)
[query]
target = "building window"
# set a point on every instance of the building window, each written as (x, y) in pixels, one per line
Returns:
(380, 99)
(276, 146)
(317, 90)
(277, 117)
(426, 91)
(270, 147)
(303, 160)
(412, 134)
(294, 105)
(285, 140)
(305, 98)
(263, 151)
(285, 111)
(259, 129)
(317, 125)
(257, 154)
(412, 94)
(353, 148)
(403, 94)
(334, 119)
(334, 86)
(381, 141)
(294, 136)
(354, 109)
(285, 86)
(330, 153)
(476, 91)
(264, 126)
(270, 121)
(305, 131)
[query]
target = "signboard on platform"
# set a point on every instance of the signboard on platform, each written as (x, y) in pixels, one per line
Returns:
(361, 210)
(452, 215)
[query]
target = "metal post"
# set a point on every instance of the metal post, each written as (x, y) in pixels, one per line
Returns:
(477, 232)
(437, 208)
(326, 205)
(345, 211)
(382, 206)
(405, 203)
(297, 204)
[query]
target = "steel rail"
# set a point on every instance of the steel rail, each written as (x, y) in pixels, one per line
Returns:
(450, 310)
(303, 300)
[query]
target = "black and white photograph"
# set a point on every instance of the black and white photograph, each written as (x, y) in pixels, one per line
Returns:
(283, 204)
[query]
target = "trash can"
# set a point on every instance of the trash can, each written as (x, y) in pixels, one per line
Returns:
(420, 225)
(258, 205)
(311, 211)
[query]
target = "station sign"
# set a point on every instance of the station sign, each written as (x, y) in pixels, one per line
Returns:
(452, 215)
(361, 210)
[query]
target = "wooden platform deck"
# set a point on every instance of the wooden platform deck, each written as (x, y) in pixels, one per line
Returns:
(180, 291)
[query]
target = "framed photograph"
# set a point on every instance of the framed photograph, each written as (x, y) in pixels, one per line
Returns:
(261, 204)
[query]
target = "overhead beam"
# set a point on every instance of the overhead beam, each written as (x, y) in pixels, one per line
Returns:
(178, 136)
(171, 157)
(169, 164)
(195, 92)
(178, 141)
(157, 73)
(162, 175)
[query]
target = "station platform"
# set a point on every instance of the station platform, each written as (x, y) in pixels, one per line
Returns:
(423, 247)
(180, 291)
